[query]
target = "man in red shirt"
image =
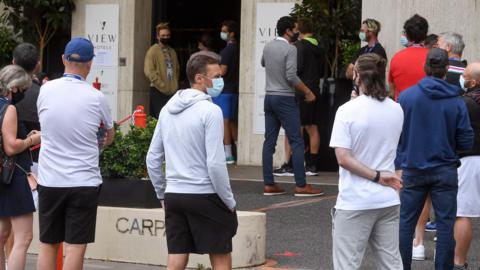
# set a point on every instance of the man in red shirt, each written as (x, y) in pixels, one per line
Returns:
(406, 67)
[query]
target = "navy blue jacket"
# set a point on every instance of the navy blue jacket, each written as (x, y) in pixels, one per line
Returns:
(436, 125)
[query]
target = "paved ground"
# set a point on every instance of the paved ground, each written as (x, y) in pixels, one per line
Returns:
(298, 229)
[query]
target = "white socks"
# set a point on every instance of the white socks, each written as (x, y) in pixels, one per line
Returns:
(228, 150)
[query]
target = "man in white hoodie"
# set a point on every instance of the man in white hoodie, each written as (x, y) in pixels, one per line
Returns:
(195, 190)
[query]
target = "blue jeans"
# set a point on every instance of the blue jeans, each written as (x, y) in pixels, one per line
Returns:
(282, 111)
(442, 184)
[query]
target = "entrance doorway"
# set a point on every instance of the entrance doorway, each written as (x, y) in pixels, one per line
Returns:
(189, 19)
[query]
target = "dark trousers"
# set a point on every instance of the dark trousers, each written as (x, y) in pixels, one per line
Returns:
(282, 111)
(157, 101)
(442, 186)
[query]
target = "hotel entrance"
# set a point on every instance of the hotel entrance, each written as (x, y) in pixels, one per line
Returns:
(189, 20)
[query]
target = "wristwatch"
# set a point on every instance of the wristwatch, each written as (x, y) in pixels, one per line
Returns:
(377, 177)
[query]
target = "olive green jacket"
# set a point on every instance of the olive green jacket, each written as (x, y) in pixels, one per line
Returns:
(155, 70)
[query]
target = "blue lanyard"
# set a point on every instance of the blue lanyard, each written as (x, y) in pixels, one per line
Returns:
(454, 59)
(73, 76)
(370, 49)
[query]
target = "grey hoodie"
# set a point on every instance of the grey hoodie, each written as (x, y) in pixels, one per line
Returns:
(189, 137)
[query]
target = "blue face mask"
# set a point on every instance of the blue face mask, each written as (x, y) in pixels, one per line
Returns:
(404, 41)
(224, 36)
(362, 36)
(217, 87)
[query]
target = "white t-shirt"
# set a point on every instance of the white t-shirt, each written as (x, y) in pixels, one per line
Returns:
(70, 112)
(371, 130)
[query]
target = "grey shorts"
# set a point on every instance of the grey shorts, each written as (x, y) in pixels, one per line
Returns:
(355, 230)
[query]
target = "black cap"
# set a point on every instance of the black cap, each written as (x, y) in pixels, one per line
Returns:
(437, 58)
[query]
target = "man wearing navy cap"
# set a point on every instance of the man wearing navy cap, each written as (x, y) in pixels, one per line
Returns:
(70, 112)
(436, 125)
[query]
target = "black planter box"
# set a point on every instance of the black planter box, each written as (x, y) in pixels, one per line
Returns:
(336, 92)
(131, 193)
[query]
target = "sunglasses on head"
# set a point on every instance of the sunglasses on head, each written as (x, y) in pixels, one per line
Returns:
(19, 89)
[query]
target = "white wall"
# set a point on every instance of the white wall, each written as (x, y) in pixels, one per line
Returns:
(250, 144)
(134, 41)
(442, 15)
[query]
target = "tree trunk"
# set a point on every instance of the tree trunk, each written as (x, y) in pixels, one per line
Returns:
(335, 59)
(41, 48)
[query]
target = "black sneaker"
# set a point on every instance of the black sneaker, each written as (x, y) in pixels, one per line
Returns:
(284, 170)
(311, 171)
(460, 267)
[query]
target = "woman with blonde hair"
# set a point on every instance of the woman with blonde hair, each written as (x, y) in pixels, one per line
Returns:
(16, 202)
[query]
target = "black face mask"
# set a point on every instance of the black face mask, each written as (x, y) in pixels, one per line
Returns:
(295, 37)
(17, 97)
(165, 41)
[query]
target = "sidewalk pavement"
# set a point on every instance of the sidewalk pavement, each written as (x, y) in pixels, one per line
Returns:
(298, 229)
(254, 173)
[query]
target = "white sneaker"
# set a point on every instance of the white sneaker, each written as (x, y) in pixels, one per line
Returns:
(418, 253)
(230, 160)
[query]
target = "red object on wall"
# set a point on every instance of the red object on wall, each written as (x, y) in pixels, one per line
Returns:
(140, 117)
(96, 84)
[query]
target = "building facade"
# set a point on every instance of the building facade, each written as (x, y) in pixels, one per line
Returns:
(135, 37)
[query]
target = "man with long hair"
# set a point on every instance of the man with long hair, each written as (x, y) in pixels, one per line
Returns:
(365, 137)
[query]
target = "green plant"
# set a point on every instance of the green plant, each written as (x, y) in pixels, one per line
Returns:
(349, 49)
(125, 158)
(333, 22)
(38, 20)
(8, 41)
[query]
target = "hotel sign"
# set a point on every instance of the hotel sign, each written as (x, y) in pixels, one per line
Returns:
(101, 27)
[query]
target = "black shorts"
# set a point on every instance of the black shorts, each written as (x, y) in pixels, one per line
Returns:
(309, 112)
(67, 214)
(198, 223)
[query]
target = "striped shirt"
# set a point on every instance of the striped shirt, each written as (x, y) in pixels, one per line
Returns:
(455, 69)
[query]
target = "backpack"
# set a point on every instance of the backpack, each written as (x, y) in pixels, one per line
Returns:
(7, 164)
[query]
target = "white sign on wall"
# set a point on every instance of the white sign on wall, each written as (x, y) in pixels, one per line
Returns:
(101, 27)
(267, 17)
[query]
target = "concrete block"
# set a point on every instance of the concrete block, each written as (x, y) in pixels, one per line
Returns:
(138, 236)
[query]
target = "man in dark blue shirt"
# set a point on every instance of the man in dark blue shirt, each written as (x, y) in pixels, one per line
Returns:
(228, 100)
(368, 33)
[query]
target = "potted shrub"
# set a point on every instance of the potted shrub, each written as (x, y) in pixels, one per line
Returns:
(335, 23)
(8, 41)
(37, 20)
(124, 171)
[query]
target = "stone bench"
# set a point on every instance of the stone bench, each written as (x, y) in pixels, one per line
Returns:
(138, 236)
